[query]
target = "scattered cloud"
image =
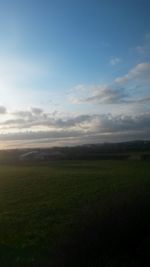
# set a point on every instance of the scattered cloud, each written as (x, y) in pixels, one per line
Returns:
(36, 119)
(140, 72)
(115, 61)
(143, 100)
(106, 95)
(119, 91)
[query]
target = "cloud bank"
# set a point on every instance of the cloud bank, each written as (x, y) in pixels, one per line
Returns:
(40, 127)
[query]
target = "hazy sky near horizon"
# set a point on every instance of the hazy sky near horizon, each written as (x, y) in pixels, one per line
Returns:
(74, 72)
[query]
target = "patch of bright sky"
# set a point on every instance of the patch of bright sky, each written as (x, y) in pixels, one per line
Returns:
(47, 47)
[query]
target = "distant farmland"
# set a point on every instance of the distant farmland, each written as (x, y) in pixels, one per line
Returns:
(75, 213)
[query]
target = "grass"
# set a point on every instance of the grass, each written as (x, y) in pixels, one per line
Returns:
(75, 213)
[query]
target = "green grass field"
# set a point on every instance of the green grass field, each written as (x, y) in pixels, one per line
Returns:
(75, 213)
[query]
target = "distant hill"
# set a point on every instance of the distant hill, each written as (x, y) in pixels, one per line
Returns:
(137, 149)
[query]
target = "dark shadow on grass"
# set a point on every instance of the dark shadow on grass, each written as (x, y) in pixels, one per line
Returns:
(115, 233)
(120, 237)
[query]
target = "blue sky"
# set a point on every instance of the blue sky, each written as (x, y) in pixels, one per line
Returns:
(70, 59)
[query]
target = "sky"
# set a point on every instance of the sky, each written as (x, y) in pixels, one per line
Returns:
(74, 72)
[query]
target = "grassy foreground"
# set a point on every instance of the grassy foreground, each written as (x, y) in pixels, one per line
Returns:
(75, 213)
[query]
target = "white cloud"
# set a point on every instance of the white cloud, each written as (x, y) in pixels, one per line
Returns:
(140, 72)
